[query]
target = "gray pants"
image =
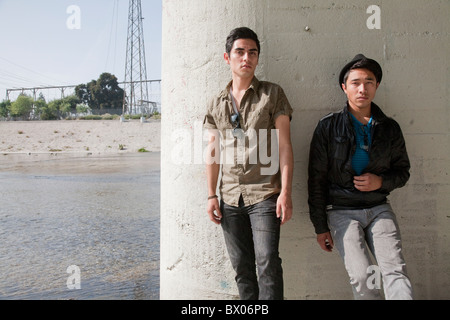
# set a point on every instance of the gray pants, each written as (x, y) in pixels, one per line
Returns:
(355, 232)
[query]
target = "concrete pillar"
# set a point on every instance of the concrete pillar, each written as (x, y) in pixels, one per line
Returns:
(194, 262)
(412, 45)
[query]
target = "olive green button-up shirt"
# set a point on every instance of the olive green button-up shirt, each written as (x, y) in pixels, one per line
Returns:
(249, 155)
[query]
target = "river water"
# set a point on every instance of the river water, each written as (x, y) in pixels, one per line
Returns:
(98, 215)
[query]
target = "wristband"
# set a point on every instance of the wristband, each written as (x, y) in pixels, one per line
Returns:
(212, 197)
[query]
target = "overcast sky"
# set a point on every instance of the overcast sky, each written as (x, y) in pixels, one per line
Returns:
(38, 48)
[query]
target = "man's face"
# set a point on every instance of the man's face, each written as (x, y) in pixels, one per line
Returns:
(243, 58)
(360, 88)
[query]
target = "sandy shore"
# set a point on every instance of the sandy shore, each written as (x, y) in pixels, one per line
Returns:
(79, 137)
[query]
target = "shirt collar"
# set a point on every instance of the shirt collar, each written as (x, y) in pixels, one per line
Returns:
(254, 86)
(358, 123)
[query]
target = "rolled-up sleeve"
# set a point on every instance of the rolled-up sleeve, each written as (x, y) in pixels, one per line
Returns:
(282, 106)
(208, 121)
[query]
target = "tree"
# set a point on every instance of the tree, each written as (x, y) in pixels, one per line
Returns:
(100, 94)
(83, 109)
(70, 103)
(84, 93)
(40, 105)
(5, 106)
(108, 93)
(22, 107)
(50, 111)
(59, 107)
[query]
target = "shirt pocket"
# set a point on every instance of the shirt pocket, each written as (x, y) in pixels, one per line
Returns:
(223, 120)
(260, 118)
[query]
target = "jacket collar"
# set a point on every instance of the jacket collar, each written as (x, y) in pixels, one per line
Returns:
(377, 114)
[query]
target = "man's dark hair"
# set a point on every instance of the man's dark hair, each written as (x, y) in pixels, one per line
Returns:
(365, 64)
(241, 33)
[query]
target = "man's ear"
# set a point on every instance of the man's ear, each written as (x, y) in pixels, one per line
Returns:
(344, 87)
(226, 57)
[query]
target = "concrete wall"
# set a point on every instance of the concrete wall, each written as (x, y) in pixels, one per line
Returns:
(413, 47)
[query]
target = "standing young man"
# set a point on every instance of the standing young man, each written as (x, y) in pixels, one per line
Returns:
(357, 157)
(252, 118)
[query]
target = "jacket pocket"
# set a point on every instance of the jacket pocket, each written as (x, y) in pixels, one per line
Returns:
(341, 147)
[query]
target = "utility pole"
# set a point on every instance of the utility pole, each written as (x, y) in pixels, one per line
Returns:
(136, 98)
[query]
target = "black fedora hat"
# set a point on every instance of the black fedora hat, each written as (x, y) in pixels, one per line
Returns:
(362, 62)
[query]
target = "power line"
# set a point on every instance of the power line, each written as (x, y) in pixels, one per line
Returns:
(10, 79)
(113, 34)
(30, 70)
(34, 90)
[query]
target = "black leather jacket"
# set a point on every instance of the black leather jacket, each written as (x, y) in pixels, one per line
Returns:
(330, 180)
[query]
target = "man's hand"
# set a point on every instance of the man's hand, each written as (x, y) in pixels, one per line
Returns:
(325, 241)
(367, 182)
(213, 209)
(284, 208)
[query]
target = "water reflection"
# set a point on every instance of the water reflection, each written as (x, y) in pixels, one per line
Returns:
(98, 213)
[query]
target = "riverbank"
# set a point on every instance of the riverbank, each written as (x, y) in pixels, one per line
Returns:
(79, 137)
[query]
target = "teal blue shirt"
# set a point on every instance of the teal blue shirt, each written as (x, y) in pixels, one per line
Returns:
(360, 159)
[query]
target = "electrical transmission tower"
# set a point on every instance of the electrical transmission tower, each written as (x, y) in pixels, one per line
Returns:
(136, 99)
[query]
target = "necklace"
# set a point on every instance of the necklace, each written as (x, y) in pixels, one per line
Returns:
(363, 131)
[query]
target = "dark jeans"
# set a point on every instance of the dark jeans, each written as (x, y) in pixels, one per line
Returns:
(252, 234)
